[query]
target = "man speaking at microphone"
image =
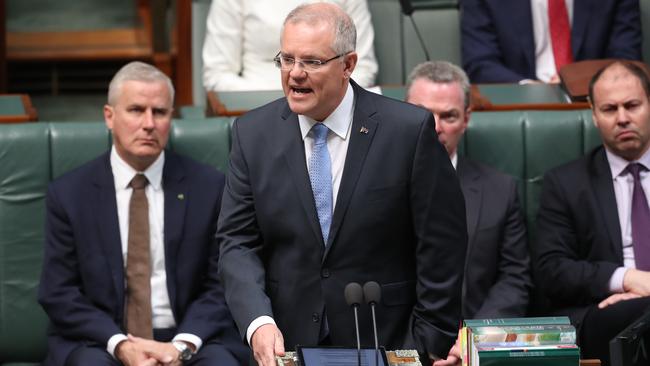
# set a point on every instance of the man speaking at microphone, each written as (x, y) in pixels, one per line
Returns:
(331, 185)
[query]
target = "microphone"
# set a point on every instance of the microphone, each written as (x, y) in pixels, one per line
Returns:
(354, 297)
(407, 9)
(372, 294)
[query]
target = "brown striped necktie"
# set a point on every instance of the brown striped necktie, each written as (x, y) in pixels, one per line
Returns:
(138, 263)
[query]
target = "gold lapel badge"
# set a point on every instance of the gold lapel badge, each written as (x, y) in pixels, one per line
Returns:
(363, 130)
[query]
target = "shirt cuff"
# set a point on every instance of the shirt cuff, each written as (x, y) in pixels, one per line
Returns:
(189, 338)
(616, 281)
(258, 322)
(113, 342)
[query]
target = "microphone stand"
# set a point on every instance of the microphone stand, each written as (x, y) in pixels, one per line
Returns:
(374, 328)
(356, 324)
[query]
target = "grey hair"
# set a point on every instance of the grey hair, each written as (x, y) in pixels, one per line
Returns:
(137, 71)
(345, 33)
(441, 72)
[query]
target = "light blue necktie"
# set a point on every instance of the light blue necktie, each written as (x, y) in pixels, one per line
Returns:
(320, 176)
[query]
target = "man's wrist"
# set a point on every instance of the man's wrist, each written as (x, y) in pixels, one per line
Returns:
(114, 342)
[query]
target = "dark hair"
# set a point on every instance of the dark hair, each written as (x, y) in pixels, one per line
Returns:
(635, 70)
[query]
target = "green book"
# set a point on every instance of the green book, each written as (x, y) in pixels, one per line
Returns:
(549, 355)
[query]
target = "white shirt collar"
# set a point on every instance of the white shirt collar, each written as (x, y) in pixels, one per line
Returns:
(123, 173)
(338, 122)
(617, 164)
(454, 160)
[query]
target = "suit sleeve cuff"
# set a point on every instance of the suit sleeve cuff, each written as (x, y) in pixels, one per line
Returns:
(189, 338)
(113, 342)
(616, 281)
(258, 322)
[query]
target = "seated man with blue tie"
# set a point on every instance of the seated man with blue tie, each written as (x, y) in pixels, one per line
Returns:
(592, 253)
(129, 274)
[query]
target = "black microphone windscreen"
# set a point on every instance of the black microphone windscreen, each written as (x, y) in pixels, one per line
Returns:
(353, 294)
(372, 292)
(407, 7)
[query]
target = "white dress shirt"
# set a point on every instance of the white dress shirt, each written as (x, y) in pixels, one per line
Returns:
(123, 173)
(544, 60)
(243, 36)
(338, 139)
(623, 187)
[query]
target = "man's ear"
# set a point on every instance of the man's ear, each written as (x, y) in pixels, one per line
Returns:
(350, 61)
(109, 114)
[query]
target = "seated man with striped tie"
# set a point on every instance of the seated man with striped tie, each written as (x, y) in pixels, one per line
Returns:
(592, 253)
(128, 275)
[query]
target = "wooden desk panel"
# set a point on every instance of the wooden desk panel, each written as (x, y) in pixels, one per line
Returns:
(16, 108)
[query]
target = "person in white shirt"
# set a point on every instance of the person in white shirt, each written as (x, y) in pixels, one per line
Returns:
(129, 272)
(243, 36)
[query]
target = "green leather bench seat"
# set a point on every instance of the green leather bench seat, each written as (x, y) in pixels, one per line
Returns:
(523, 144)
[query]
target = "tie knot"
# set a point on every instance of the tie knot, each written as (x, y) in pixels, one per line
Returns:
(320, 133)
(635, 169)
(139, 181)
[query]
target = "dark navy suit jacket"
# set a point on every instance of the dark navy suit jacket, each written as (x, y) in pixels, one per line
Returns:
(578, 244)
(399, 219)
(497, 270)
(498, 42)
(82, 282)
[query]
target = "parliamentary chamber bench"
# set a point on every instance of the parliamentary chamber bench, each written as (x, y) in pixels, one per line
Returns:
(522, 143)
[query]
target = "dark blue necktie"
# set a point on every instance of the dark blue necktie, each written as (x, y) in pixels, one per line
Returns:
(320, 175)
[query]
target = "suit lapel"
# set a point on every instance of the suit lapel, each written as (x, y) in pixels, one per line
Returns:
(581, 14)
(176, 196)
(473, 191)
(291, 144)
(108, 224)
(604, 191)
(358, 147)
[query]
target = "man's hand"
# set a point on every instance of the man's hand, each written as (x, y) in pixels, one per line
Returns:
(453, 358)
(131, 354)
(637, 281)
(267, 342)
(162, 353)
(613, 299)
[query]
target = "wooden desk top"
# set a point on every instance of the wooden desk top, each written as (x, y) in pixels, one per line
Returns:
(485, 97)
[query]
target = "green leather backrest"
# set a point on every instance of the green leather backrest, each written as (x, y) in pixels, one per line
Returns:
(31, 155)
(24, 175)
(76, 143)
(207, 140)
(527, 144)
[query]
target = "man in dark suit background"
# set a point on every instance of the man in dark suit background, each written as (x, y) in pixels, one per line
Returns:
(497, 269)
(330, 185)
(122, 257)
(507, 41)
(592, 254)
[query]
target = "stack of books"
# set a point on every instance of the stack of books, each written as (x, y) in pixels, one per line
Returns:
(519, 341)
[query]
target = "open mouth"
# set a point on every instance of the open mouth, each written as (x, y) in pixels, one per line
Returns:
(301, 90)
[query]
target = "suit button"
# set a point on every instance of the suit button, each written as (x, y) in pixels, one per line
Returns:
(315, 317)
(325, 273)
